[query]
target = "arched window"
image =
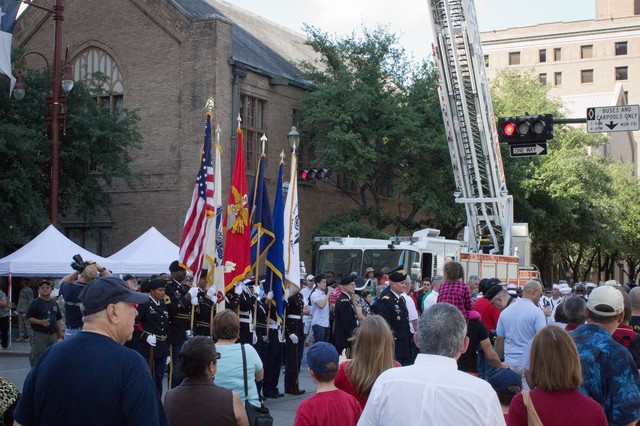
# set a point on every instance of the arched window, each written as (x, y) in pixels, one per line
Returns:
(108, 90)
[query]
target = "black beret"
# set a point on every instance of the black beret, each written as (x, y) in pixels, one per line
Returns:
(203, 273)
(397, 276)
(175, 266)
(348, 279)
(157, 283)
(493, 292)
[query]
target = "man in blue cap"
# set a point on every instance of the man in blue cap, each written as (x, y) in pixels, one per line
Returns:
(99, 380)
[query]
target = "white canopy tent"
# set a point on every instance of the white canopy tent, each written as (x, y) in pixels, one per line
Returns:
(151, 253)
(49, 255)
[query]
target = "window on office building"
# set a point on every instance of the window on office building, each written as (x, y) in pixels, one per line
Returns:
(621, 48)
(514, 58)
(486, 61)
(557, 54)
(586, 52)
(586, 76)
(252, 112)
(622, 73)
(542, 55)
(626, 97)
(557, 79)
(543, 78)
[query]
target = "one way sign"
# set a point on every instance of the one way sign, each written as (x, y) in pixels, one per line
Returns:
(528, 150)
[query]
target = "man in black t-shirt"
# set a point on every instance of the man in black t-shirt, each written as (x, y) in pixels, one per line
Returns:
(45, 318)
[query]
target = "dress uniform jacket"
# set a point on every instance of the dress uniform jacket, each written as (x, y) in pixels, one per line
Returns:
(179, 309)
(344, 323)
(203, 313)
(246, 303)
(394, 310)
(293, 325)
(154, 319)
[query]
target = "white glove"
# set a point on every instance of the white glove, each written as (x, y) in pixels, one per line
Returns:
(151, 340)
(168, 360)
(193, 292)
(194, 301)
(293, 338)
(270, 295)
(254, 339)
(238, 289)
(212, 292)
(286, 293)
(256, 290)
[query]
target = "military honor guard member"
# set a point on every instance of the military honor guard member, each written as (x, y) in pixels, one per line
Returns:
(178, 301)
(392, 307)
(294, 333)
(346, 320)
(274, 351)
(153, 320)
(203, 308)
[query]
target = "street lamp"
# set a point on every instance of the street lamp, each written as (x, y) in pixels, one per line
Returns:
(56, 99)
(294, 138)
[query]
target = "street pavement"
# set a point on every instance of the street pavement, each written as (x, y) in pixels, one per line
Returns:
(14, 366)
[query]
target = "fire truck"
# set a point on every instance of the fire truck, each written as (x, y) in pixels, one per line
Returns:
(493, 245)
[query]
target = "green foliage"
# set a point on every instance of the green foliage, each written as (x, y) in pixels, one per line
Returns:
(93, 155)
(375, 118)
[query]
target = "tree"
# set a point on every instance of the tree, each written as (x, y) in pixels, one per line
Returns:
(374, 117)
(94, 152)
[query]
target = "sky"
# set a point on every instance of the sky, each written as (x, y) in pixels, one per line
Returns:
(410, 18)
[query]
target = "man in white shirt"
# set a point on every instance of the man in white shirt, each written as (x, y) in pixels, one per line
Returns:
(440, 393)
(320, 310)
(306, 292)
(432, 298)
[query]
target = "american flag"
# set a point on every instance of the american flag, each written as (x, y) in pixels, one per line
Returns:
(192, 245)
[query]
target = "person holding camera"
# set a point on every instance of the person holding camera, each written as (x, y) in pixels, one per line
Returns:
(44, 316)
(72, 285)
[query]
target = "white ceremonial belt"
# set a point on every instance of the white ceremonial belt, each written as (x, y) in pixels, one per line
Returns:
(245, 320)
(273, 322)
(294, 316)
(245, 312)
(273, 327)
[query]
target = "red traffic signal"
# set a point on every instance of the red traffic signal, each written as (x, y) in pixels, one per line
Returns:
(525, 129)
(321, 173)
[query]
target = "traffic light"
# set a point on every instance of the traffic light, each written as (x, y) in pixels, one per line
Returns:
(534, 128)
(319, 173)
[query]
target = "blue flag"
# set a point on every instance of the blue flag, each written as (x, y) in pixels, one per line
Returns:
(8, 13)
(261, 222)
(275, 261)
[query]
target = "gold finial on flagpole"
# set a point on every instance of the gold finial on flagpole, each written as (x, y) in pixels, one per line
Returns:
(239, 120)
(209, 105)
(218, 131)
(282, 157)
(263, 139)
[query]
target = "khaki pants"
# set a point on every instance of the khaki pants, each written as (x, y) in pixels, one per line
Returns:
(39, 343)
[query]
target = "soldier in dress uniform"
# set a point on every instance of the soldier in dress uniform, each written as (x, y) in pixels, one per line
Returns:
(246, 303)
(294, 334)
(261, 337)
(392, 307)
(178, 303)
(274, 352)
(204, 309)
(153, 320)
(345, 318)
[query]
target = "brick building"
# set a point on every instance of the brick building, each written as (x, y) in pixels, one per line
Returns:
(585, 63)
(165, 58)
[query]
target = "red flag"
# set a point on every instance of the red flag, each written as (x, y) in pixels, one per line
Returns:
(237, 244)
(192, 243)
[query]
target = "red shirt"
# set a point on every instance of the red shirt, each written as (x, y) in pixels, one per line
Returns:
(342, 382)
(570, 408)
(488, 313)
(327, 409)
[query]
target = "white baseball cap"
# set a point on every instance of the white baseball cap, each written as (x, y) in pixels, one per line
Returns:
(606, 301)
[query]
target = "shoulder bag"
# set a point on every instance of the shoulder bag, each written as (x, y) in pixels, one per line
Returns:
(532, 415)
(258, 416)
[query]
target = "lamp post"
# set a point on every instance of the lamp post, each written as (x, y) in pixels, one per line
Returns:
(294, 138)
(56, 98)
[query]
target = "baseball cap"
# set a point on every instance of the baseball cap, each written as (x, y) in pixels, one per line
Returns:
(310, 277)
(605, 301)
(612, 283)
(493, 292)
(129, 277)
(104, 291)
(505, 381)
(322, 357)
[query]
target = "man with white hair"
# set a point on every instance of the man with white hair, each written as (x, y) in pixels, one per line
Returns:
(447, 396)
(432, 298)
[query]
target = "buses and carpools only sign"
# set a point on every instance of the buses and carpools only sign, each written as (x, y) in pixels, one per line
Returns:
(613, 119)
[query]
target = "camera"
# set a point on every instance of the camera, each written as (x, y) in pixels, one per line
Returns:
(78, 263)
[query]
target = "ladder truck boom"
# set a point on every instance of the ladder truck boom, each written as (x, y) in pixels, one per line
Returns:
(470, 128)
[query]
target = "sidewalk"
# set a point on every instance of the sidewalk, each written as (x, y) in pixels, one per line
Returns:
(16, 348)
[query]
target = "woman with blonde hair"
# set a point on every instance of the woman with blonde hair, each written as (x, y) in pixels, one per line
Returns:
(555, 374)
(372, 353)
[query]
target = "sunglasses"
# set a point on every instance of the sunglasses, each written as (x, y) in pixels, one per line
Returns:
(218, 355)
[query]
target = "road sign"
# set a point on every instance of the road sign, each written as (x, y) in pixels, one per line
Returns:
(528, 150)
(622, 118)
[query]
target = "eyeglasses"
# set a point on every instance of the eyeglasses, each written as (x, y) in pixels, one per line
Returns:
(218, 355)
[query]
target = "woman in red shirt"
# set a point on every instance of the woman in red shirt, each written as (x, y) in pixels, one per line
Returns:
(556, 374)
(372, 353)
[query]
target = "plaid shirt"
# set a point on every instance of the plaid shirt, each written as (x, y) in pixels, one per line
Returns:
(458, 294)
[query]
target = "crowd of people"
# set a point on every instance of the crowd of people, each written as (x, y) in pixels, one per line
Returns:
(379, 351)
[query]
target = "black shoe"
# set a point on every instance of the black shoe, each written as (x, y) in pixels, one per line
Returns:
(272, 394)
(298, 392)
(280, 395)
